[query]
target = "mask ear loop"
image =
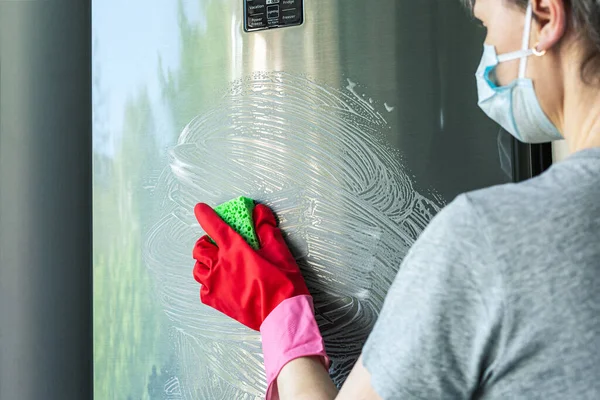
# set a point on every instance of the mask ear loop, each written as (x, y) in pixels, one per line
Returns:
(525, 42)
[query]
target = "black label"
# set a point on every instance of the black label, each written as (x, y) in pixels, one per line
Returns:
(265, 14)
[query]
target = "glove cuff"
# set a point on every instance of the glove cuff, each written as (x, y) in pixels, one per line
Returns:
(290, 331)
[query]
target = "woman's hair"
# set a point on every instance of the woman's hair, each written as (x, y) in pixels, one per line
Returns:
(585, 20)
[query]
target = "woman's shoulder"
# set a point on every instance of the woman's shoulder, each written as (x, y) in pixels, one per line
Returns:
(521, 219)
(569, 189)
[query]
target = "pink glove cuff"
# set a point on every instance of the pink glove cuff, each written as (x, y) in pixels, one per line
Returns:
(290, 331)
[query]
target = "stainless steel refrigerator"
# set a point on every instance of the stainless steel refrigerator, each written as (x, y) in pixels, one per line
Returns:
(355, 121)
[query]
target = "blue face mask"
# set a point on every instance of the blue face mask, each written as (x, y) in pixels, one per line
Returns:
(514, 106)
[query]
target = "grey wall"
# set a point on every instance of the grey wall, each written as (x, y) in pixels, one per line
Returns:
(45, 200)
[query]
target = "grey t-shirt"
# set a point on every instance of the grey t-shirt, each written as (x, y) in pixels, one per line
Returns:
(500, 296)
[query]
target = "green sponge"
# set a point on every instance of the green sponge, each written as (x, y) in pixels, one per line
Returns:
(237, 213)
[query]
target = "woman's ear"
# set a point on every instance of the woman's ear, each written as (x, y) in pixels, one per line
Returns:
(550, 22)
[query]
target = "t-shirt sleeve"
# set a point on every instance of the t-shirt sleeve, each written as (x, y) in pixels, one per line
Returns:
(436, 334)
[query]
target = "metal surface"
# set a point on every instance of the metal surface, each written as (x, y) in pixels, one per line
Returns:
(45, 200)
(160, 65)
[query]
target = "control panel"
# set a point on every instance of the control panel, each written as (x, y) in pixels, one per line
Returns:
(267, 14)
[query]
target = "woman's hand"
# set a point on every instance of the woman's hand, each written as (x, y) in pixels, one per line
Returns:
(263, 289)
(241, 282)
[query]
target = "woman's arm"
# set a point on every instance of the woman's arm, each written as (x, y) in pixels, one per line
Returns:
(269, 294)
(305, 378)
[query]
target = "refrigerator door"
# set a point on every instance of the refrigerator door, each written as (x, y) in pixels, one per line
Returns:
(356, 125)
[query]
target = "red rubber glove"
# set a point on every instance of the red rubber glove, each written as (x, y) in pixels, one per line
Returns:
(241, 282)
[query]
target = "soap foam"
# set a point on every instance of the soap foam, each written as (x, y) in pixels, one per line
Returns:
(317, 156)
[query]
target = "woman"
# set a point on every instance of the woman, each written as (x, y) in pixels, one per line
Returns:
(500, 296)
